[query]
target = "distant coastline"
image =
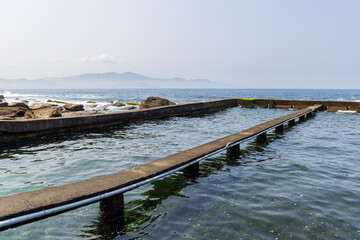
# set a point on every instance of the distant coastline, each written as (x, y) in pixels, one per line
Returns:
(110, 80)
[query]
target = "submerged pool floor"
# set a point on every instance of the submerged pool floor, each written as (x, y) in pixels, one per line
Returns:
(303, 184)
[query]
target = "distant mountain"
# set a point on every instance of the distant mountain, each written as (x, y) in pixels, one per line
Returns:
(106, 81)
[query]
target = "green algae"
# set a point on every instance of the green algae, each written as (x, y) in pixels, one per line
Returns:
(133, 103)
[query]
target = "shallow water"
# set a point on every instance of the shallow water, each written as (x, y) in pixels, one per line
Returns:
(305, 184)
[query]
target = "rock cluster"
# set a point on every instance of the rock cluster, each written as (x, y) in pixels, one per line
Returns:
(51, 109)
(22, 110)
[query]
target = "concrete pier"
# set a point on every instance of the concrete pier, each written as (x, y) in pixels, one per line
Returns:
(111, 214)
(279, 129)
(233, 152)
(291, 123)
(193, 171)
(331, 106)
(44, 201)
(261, 139)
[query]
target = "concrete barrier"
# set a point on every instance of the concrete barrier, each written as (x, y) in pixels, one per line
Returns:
(331, 106)
(13, 130)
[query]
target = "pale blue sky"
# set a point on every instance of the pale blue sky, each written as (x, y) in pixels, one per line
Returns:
(250, 44)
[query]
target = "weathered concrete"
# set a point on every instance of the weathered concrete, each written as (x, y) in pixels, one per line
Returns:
(233, 152)
(291, 123)
(331, 106)
(261, 139)
(12, 130)
(111, 214)
(279, 129)
(34, 201)
(193, 171)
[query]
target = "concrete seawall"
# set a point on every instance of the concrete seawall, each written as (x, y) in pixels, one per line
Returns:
(12, 130)
(331, 106)
(16, 130)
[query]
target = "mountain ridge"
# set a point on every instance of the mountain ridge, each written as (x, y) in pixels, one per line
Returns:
(107, 80)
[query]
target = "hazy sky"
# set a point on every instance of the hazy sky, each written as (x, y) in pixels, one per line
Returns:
(253, 43)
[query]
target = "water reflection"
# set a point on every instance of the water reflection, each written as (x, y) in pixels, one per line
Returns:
(139, 213)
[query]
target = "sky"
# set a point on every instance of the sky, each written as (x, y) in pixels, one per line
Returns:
(245, 44)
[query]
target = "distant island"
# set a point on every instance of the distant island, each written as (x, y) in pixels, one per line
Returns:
(105, 81)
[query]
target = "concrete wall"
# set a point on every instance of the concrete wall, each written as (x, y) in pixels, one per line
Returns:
(12, 130)
(331, 106)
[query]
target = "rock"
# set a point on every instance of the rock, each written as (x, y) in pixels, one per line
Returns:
(19, 105)
(12, 111)
(90, 102)
(128, 107)
(2, 97)
(29, 115)
(26, 102)
(74, 107)
(49, 100)
(47, 112)
(3, 104)
(152, 102)
(37, 107)
(118, 104)
(6, 118)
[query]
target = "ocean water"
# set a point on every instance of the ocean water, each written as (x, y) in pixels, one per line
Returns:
(304, 184)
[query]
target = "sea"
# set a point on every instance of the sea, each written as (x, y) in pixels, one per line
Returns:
(302, 184)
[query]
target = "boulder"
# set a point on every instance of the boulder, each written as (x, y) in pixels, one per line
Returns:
(2, 97)
(118, 104)
(74, 107)
(152, 102)
(29, 115)
(20, 105)
(12, 111)
(47, 112)
(3, 104)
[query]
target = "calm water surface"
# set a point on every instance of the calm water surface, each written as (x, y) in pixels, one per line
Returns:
(305, 184)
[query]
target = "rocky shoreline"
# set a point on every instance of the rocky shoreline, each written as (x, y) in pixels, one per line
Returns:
(21, 109)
